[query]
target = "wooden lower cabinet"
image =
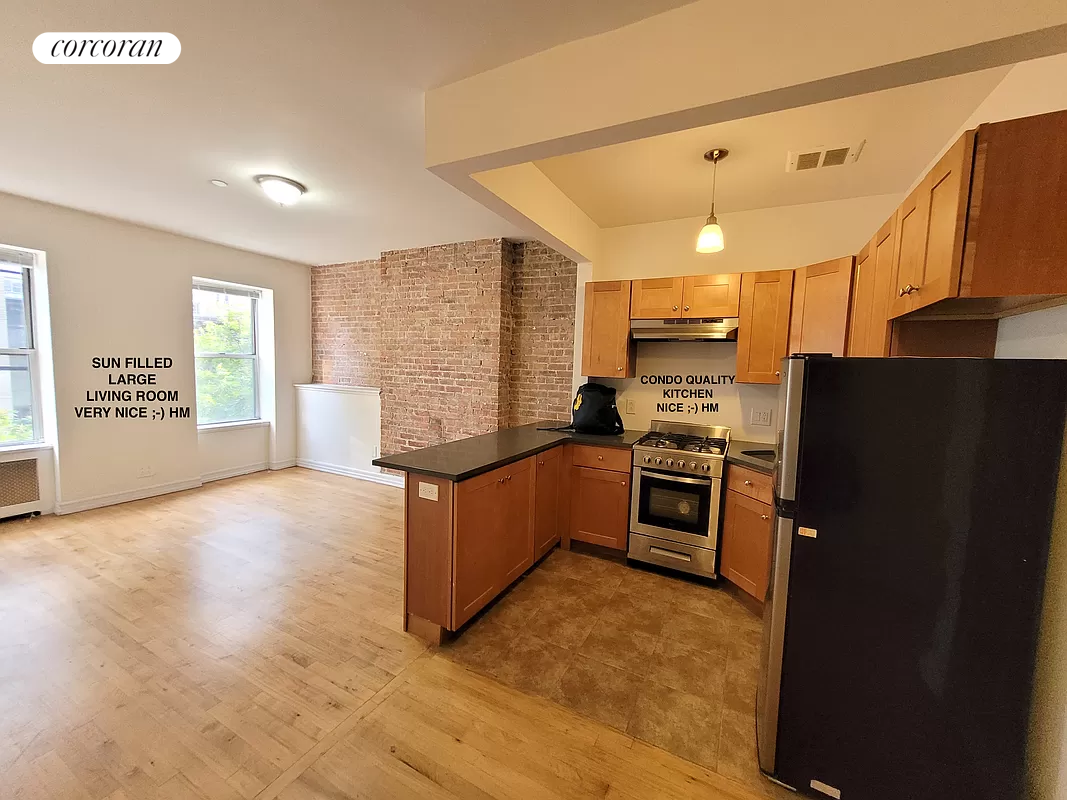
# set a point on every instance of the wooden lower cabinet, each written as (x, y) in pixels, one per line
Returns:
(547, 500)
(492, 536)
(600, 507)
(746, 543)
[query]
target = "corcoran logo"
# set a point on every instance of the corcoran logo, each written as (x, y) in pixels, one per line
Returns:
(107, 48)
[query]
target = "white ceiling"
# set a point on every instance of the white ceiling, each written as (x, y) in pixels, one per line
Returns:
(329, 92)
(666, 177)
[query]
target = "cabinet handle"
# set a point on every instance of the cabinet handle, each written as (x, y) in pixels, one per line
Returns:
(748, 483)
(674, 308)
(913, 289)
(509, 477)
(763, 516)
(686, 308)
(907, 289)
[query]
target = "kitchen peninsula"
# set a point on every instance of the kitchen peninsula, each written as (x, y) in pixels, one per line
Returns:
(479, 512)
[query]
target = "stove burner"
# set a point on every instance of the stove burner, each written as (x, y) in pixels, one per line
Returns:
(681, 441)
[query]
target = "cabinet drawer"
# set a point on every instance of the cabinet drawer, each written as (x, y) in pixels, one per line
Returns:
(613, 458)
(750, 483)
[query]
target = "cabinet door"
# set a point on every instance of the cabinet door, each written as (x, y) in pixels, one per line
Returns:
(656, 298)
(711, 295)
(600, 507)
(947, 190)
(606, 349)
(913, 218)
(476, 541)
(516, 545)
(819, 317)
(1015, 235)
(546, 500)
(880, 328)
(859, 321)
(763, 325)
(746, 543)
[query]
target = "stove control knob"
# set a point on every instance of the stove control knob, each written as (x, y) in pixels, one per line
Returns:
(705, 467)
(658, 461)
(648, 459)
(670, 462)
(681, 464)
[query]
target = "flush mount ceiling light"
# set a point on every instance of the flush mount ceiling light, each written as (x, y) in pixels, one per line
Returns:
(710, 239)
(281, 190)
(219, 182)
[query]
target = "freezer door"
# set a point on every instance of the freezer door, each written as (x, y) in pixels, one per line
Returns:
(770, 680)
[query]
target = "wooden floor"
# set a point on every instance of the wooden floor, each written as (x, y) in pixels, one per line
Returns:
(243, 640)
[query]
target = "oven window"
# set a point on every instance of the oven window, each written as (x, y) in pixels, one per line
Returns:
(666, 503)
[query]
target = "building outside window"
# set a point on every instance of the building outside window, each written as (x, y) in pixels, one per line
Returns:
(19, 420)
(225, 339)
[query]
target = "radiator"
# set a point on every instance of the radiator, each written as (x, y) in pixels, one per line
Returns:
(20, 489)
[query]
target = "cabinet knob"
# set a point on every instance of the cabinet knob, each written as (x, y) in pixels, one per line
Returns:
(763, 516)
(907, 289)
(600, 458)
(686, 308)
(618, 369)
(777, 373)
(748, 483)
(675, 308)
(509, 477)
(623, 482)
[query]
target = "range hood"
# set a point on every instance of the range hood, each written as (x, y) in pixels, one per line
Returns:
(718, 329)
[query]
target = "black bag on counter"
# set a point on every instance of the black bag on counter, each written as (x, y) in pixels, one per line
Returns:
(594, 410)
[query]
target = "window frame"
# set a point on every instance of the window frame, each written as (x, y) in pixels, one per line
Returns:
(30, 352)
(222, 287)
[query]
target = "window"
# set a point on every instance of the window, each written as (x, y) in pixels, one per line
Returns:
(18, 359)
(225, 345)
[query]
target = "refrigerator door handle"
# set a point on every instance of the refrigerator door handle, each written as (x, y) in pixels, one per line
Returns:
(774, 613)
(790, 397)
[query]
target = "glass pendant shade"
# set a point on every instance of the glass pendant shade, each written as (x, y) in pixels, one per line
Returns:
(710, 239)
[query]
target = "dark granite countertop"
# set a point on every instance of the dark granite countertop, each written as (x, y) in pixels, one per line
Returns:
(734, 455)
(457, 461)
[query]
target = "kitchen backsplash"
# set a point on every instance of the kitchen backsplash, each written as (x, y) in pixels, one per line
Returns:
(694, 382)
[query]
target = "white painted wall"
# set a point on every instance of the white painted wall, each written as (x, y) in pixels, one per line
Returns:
(121, 289)
(228, 451)
(690, 361)
(785, 237)
(340, 430)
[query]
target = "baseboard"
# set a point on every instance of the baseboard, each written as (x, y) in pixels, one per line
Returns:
(233, 472)
(353, 472)
(289, 462)
(102, 500)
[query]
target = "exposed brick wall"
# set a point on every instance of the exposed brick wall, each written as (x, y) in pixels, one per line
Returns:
(462, 338)
(542, 345)
(345, 323)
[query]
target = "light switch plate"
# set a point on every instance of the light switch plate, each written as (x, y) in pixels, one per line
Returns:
(428, 491)
(761, 416)
(631, 406)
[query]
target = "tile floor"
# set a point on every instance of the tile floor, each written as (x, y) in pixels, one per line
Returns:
(663, 659)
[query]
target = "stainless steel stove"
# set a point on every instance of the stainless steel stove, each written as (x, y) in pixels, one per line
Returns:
(676, 494)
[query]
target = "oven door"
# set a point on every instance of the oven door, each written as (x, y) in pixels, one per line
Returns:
(676, 508)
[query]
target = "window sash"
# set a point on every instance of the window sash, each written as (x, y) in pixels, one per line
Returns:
(205, 285)
(25, 260)
(27, 305)
(219, 289)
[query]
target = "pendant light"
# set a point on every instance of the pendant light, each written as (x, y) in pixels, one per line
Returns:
(710, 239)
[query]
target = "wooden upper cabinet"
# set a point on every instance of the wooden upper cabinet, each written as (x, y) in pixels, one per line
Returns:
(547, 500)
(711, 295)
(819, 317)
(930, 226)
(763, 325)
(1016, 238)
(600, 507)
(656, 298)
(869, 327)
(606, 348)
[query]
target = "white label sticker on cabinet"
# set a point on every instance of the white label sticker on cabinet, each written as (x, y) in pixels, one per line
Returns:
(427, 491)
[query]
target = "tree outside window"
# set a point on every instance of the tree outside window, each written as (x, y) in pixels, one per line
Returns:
(224, 339)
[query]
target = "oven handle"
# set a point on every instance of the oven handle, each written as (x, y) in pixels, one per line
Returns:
(666, 476)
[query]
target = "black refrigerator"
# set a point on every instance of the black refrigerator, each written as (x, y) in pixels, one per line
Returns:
(913, 509)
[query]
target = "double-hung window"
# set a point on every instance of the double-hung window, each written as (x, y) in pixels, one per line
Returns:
(19, 420)
(225, 343)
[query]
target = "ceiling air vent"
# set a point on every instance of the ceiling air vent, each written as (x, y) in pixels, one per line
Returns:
(819, 157)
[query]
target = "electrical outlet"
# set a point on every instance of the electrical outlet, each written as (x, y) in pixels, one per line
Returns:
(145, 472)
(761, 416)
(631, 406)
